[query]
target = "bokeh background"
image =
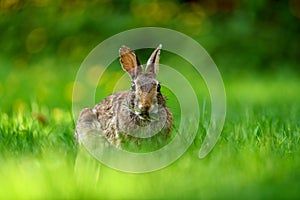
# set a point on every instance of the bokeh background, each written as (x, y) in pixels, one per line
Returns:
(255, 45)
(42, 40)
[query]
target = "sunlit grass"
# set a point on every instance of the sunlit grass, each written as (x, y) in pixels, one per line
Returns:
(257, 155)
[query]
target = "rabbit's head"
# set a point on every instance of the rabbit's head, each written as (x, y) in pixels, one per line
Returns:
(144, 97)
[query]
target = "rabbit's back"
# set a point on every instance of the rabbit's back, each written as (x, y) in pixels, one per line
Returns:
(108, 111)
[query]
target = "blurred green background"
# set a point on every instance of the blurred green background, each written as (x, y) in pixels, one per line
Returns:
(255, 45)
(246, 39)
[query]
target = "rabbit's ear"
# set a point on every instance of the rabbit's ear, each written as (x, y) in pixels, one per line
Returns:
(130, 62)
(153, 62)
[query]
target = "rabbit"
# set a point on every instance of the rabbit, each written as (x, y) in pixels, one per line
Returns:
(139, 112)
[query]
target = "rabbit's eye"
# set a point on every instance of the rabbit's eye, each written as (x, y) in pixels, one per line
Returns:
(158, 87)
(133, 86)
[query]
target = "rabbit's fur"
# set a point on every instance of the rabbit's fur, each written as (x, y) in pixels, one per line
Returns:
(138, 112)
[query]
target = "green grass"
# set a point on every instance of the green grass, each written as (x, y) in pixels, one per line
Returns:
(256, 157)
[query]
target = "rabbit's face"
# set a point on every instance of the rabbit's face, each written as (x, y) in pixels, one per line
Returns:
(144, 97)
(146, 93)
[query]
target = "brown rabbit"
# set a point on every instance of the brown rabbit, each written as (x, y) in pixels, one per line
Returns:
(139, 112)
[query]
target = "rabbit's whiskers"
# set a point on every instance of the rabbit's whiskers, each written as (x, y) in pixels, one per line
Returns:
(142, 115)
(135, 111)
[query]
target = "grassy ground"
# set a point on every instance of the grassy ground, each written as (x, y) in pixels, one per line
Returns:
(257, 156)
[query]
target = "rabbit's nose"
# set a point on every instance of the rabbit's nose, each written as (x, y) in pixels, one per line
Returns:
(144, 105)
(145, 108)
(145, 102)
